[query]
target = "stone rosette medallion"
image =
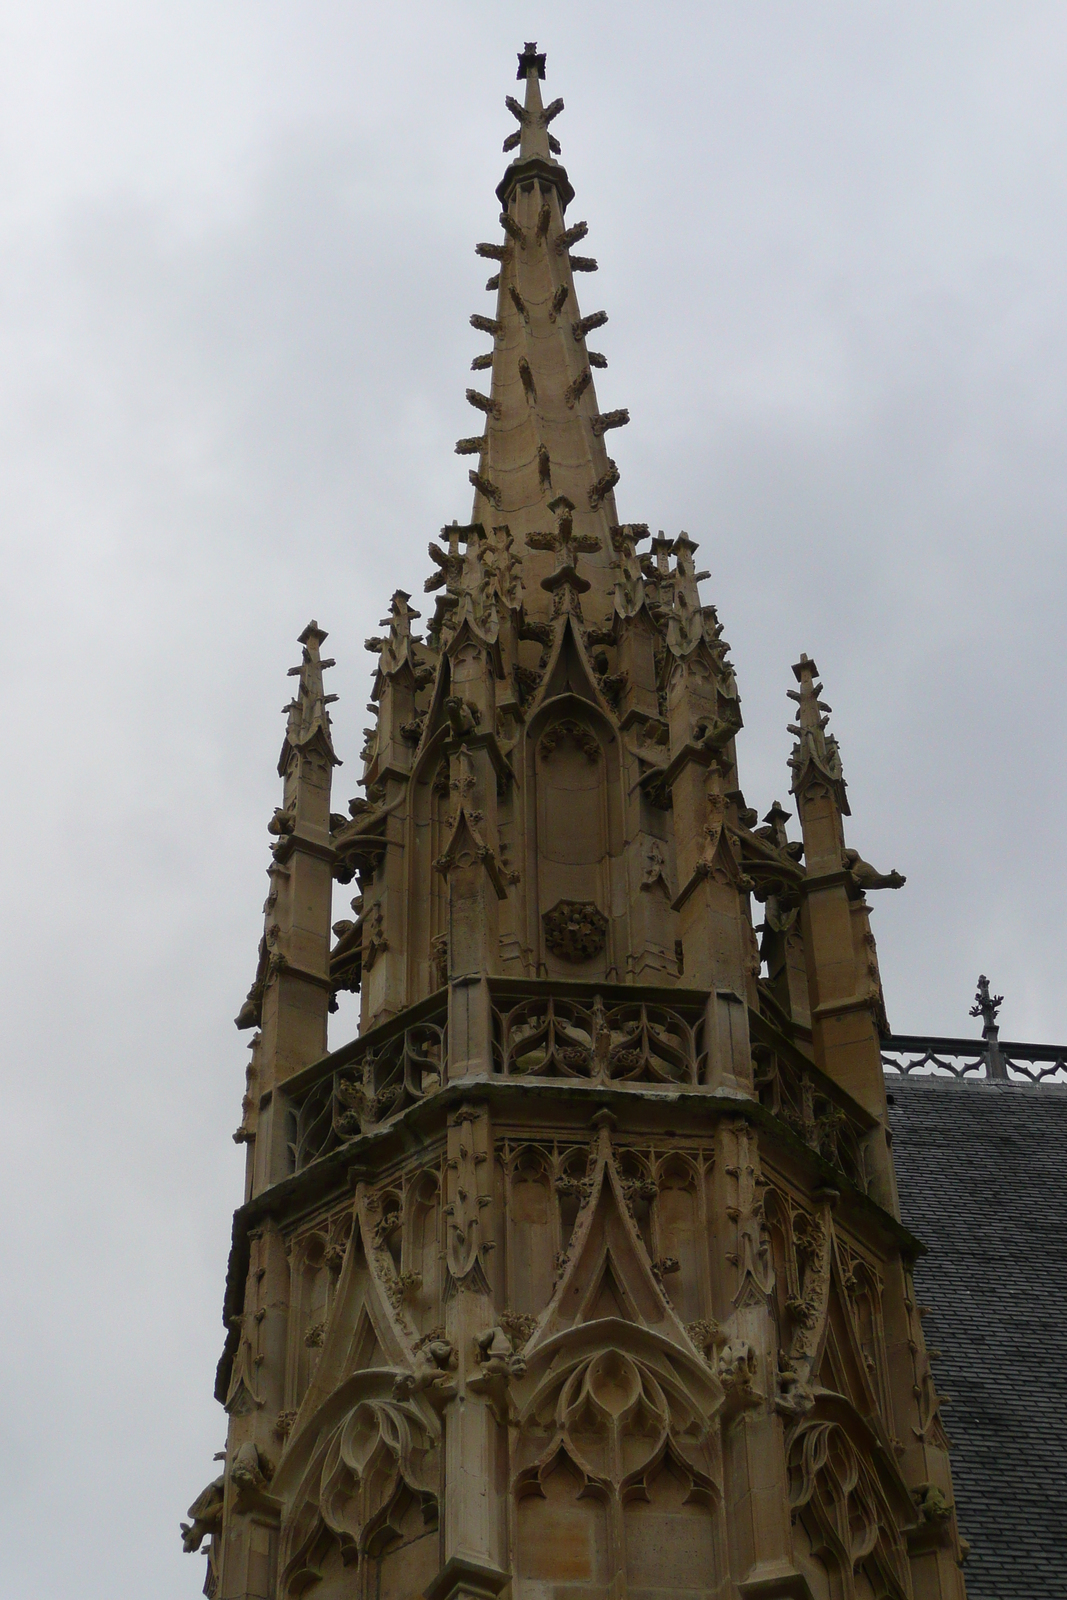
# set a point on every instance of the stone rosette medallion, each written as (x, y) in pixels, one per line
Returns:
(575, 930)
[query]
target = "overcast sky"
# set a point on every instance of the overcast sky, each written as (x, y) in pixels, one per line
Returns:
(236, 268)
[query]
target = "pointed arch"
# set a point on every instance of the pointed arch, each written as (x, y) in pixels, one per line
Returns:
(608, 1258)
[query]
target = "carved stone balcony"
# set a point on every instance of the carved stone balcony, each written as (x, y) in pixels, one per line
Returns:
(583, 1037)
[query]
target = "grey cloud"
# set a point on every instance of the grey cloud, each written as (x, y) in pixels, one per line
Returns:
(233, 323)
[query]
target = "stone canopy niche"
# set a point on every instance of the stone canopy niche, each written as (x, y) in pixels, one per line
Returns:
(573, 835)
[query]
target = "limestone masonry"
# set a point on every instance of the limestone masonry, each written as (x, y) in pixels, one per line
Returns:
(580, 1271)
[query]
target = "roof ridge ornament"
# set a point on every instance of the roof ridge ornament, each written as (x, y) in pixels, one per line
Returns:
(986, 1006)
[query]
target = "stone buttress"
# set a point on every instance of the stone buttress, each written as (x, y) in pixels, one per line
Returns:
(579, 1271)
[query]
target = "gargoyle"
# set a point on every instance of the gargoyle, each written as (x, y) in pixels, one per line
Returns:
(710, 733)
(794, 1397)
(249, 1014)
(282, 822)
(931, 1503)
(250, 1469)
(206, 1512)
(499, 1364)
(463, 715)
(867, 877)
(737, 1374)
(435, 1361)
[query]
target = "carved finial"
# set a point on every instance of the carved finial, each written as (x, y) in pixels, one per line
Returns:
(532, 135)
(685, 621)
(449, 562)
(530, 61)
(815, 750)
(567, 544)
(776, 819)
(395, 648)
(308, 718)
(630, 583)
(499, 579)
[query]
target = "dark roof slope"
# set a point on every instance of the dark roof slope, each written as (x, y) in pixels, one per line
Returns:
(982, 1173)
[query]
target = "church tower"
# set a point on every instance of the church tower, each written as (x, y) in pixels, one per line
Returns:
(579, 1271)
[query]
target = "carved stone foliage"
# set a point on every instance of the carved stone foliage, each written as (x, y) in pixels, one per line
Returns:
(928, 1427)
(577, 732)
(829, 1312)
(316, 1255)
(384, 1078)
(575, 930)
(755, 1270)
(370, 1489)
(403, 1228)
(864, 1289)
(844, 1517)
(467, 1212)
(633, 1043)
(654, 868)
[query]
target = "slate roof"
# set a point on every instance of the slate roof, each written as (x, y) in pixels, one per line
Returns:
(982, 1174)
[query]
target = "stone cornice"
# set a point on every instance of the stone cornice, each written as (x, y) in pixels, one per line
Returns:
(535, 168)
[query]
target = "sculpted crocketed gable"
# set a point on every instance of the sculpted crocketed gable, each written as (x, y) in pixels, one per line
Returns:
(579, 1270)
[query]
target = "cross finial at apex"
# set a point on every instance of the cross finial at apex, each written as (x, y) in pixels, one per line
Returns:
(804, 666)
(530, 61)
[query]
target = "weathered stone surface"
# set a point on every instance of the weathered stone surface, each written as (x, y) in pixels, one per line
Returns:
(579, 1271)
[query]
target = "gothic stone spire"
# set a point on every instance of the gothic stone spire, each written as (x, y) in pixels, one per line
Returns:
(578, 1266)
(544, 434)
